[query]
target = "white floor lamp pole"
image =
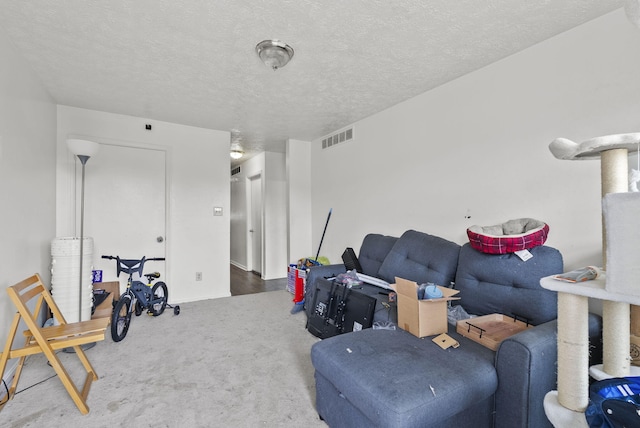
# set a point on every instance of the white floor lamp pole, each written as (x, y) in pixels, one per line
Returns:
(83, 149)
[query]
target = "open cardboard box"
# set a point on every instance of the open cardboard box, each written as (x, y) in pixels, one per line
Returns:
(422, 317)
(105, 308)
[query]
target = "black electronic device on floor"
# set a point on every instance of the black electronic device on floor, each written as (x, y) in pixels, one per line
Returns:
(338, 309)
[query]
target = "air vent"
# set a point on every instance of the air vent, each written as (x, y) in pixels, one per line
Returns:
(337, 138)
(235, 170)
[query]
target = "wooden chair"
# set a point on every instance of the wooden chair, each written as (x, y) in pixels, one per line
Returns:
(48, 340)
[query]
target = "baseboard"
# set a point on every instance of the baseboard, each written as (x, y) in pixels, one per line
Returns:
(238, 265)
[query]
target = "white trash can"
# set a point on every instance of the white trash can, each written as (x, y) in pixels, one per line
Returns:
(65, 271)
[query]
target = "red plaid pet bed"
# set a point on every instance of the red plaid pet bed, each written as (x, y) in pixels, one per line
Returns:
(509, 237)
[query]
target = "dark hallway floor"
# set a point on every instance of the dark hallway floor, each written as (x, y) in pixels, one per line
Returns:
(243, 282)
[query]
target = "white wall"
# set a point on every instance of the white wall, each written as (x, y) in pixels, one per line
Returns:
(275, 217)
(271, 166)
(298, 168)
(27, 177)
(478, 146)
(198, 180)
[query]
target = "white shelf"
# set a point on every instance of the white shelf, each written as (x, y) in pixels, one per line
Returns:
(598, 373)
(595, 288)
(559, 416)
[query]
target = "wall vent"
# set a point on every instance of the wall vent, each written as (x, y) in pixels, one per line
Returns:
(337, 138)
(235, 170)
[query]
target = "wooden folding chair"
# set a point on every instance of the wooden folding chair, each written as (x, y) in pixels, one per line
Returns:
(48, 340)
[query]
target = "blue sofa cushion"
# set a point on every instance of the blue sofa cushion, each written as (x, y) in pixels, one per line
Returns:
(421, 257)
(398, 380)
(373, 251)
(503, 283)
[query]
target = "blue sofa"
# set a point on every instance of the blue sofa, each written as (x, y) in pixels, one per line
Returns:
(390, 378)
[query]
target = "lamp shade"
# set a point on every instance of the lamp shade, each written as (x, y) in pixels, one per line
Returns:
(236, 154)
(82, 147)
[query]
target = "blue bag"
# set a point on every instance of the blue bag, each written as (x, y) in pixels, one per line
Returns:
(614, 403)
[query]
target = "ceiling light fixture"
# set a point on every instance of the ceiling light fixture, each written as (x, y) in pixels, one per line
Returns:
(236, 154)
(274, 53)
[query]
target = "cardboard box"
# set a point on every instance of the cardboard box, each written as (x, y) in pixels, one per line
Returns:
(490, 330)
(105, 308)
(635, 350)
(422, 317)
(635, 320)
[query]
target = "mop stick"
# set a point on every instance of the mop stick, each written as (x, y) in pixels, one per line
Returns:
(323, 232)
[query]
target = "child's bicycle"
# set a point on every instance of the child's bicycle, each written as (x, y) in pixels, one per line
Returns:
(138, 296)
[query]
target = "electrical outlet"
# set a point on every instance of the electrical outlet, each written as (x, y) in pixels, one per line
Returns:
(198, 276)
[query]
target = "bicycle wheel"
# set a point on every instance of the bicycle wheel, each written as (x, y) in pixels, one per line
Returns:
(159, 291)
(121, 318)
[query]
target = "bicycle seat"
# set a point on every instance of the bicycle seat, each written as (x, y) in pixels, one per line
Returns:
(153, 275)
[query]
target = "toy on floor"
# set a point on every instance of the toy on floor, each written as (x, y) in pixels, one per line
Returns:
(138, 295)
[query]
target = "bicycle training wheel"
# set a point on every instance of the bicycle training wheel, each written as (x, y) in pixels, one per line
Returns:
(121, 318)
(138, 308)
(159, 290)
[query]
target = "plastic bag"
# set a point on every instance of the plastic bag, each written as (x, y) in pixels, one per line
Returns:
(579, 275)
(349, 278)
(457, 313)
(383, 325)
(614, 403)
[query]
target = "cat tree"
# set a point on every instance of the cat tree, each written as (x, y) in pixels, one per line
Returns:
(566, 406)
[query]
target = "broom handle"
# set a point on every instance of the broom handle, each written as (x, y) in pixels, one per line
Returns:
(323, 232)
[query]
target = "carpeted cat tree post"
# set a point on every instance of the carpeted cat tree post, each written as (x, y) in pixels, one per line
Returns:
(573, 343)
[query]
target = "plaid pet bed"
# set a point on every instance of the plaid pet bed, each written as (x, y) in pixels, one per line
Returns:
(509, 237)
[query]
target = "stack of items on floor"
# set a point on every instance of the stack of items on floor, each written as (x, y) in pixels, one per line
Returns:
(393, 378)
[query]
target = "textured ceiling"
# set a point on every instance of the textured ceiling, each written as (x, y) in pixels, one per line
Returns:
(193, 62)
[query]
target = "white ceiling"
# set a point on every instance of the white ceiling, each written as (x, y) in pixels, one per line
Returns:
(193, 62)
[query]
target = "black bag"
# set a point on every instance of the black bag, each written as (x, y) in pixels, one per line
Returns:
(337, 309)
(350, 260)
(614, 403)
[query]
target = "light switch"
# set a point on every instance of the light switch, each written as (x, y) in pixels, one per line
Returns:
(217, 210)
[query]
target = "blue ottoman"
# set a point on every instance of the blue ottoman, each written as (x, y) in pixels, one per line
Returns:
(393, 379)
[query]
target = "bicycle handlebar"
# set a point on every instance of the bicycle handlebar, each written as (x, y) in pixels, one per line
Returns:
(130, 266)
(147, 258)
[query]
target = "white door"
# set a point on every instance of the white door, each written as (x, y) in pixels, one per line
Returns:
(125, 207)
(255, 230)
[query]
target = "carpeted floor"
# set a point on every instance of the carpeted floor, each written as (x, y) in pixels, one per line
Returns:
(240, 361)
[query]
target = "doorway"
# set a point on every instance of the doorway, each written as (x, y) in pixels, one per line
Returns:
(255, 223)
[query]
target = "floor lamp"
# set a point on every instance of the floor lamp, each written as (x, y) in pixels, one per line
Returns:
(83, 149)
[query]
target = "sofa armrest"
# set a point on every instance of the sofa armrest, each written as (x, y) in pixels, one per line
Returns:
(526, 367)
(313, 274)
(526, 364)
